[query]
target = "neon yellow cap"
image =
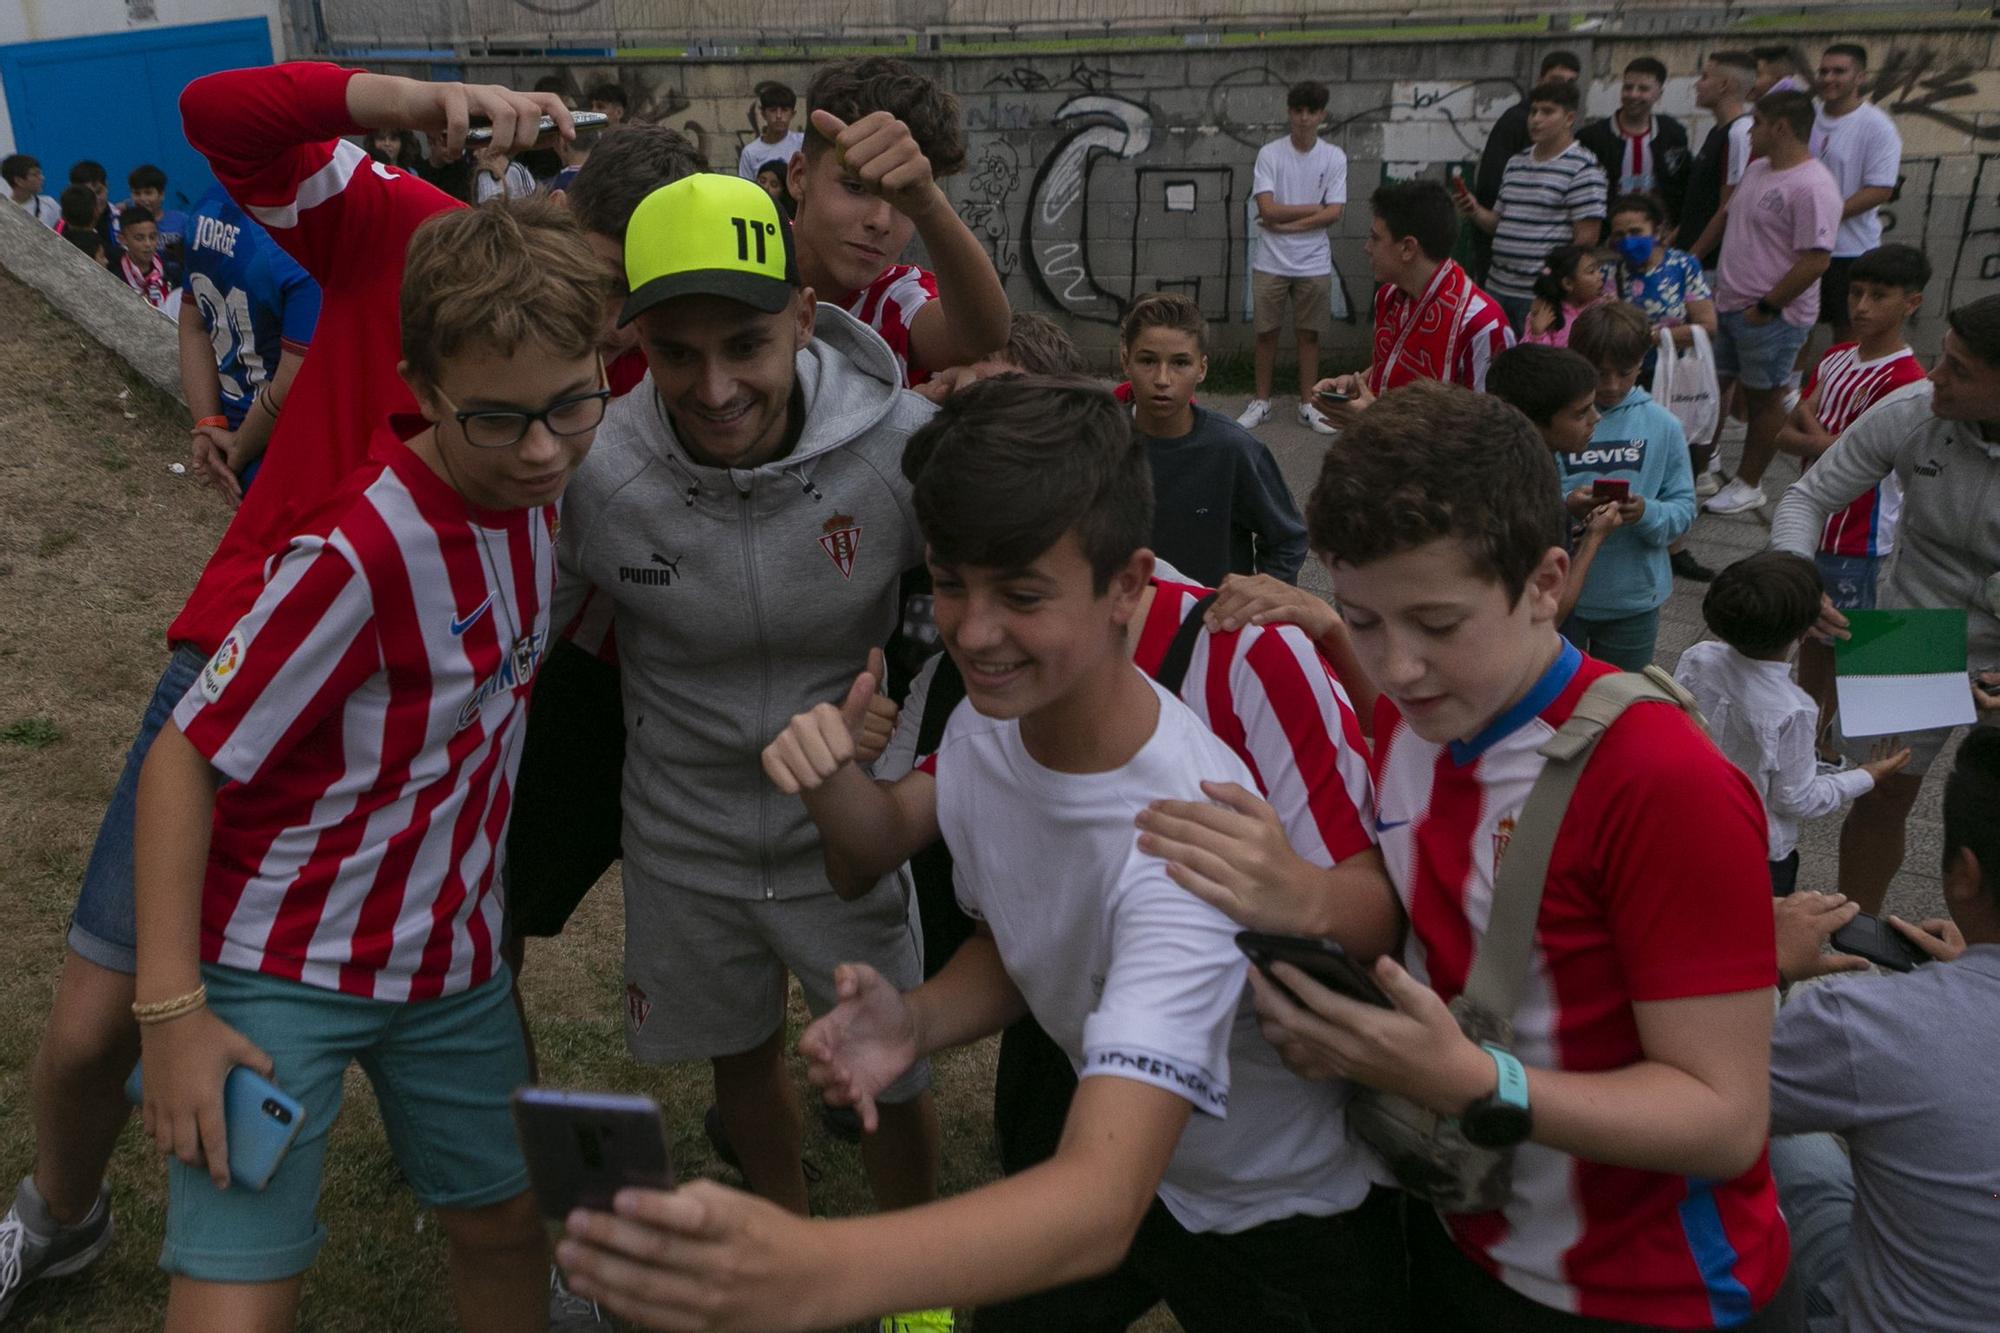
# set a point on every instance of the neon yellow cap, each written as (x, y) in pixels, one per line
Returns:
(711, 234)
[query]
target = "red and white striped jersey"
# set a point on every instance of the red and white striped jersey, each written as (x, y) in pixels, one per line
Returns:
(270, 136)
(1846, 386)
(1267, 694)
(1635, 910)
(889, 305)
(368, 713)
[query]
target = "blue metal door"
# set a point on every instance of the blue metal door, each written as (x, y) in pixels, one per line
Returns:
(116, 99)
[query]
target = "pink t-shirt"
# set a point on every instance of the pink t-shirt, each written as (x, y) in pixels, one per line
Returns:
(1774, 217)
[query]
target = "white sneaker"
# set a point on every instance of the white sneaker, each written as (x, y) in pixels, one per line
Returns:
(1738, 497)
(1256, 414)
(1310, 416)
(1707, 484)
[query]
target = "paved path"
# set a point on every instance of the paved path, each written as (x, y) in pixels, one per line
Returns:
(1717, 541)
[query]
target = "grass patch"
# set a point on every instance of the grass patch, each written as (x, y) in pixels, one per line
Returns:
(55, 543)
(31, 733)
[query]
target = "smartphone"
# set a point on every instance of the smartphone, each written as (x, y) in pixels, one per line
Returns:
(1322, 960)
(1606, 488)
(585, 122)
(1334, 396)
(583, 1147)
(1879, 942)
(260, 1120)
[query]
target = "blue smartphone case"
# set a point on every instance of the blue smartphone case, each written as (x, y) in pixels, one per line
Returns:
(260, 1119)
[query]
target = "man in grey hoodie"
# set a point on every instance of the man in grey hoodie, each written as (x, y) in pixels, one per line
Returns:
(746, 513)
(1944, 450)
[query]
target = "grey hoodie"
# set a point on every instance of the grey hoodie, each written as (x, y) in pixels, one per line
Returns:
(742, 597)
(1948, 547)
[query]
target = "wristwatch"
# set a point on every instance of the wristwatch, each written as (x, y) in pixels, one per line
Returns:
(1501, 1118)
(1770, 310)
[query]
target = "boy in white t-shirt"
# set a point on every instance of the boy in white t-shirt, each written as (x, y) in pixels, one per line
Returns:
(1233, 1185)
(1300, 185)
(776, 140)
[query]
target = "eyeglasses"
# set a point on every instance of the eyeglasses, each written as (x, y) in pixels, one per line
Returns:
(502, 430)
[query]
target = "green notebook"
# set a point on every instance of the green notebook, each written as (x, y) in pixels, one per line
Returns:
(1902, 671)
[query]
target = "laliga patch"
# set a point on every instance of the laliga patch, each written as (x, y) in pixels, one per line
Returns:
(840, 539)
(637, 1007)
(216, 675)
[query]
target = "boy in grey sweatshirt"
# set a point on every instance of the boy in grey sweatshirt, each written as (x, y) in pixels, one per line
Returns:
(1944, 449)
(747, 515)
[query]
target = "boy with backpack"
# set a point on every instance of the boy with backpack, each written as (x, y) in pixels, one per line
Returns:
(1232, 1185)
(319, 826)
(1640, 444)
(1625, 1088)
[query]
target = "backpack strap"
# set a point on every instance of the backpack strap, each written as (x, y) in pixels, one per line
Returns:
(1501, 969)
(946, 692)
(1180, 652)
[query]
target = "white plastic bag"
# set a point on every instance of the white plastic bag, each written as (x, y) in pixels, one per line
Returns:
(1684, 383)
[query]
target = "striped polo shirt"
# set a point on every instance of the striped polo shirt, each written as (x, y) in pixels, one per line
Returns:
(1539, 201)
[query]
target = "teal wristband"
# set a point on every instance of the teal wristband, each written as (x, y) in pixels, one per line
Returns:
(1513, 1088)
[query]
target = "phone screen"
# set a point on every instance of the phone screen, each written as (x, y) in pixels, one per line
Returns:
(1608, 489)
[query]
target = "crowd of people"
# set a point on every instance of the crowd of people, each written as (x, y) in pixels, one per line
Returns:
(610, 508)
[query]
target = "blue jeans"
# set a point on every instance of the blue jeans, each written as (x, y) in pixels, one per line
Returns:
(1624, 641)
(101, 929)
(1760, 355)
(1849, 579)
(1816, 1189)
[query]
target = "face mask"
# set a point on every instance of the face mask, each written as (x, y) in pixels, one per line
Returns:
(1636, 249)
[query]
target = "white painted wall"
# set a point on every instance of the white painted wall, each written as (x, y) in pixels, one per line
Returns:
(48, 20)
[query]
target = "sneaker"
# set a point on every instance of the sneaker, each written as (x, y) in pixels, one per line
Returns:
(569, 1312)
(1256, 414)
(917, 1321)
(1707, 484)
(1310, 416)
(1738, 497)
(1687, 567)
(34, 1245)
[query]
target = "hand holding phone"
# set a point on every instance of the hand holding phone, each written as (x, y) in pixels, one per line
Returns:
(545, 134)
(1879, 942)
(583, 1147)
(260, 1121)
(1322, 960)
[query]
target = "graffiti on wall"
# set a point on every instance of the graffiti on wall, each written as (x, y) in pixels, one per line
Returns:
(996, 175)
(1059, 232)
(1917, 83)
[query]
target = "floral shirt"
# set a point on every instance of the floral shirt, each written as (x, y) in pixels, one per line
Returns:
(1664, 292)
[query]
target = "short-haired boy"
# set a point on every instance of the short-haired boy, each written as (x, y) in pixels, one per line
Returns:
(609, 99)
(1299, 186)
(319, 827)
(1640, 1193)
(776, 140)
(1637, 441)
(1553, 193)
(1760, 609)
(141, 267)
(23, 176)
(148, 186)
(1221, 505)
(1885, 289)
(1232, 1185)
(878, 138)
(1556, 390)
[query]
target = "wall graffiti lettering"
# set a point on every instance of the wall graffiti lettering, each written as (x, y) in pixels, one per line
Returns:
(1058, 203)
(1915, 83)
(1081, 74)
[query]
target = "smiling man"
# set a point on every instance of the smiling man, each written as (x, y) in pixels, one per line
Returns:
(748, 517)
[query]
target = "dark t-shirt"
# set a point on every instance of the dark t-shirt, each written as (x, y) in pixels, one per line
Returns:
(1704, 189)
(1221, 506)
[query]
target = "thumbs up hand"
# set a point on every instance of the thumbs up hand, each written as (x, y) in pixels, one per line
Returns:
(821, 741)
(875, 723)
(879, 153)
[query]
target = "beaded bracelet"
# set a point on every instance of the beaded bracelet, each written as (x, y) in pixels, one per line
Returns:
(160, 1011)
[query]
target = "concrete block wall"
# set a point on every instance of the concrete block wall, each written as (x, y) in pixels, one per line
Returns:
(1096, 176)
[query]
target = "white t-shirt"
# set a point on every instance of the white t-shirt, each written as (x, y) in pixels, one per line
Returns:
(1130, 974)
(1739, 150)
(756, 153)
(1861, 149)
(1319, 178)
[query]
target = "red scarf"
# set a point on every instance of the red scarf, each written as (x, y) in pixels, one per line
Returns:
(151, 284)
(1418, 340)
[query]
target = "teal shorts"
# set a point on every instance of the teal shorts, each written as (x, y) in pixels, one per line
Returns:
(442, 1070)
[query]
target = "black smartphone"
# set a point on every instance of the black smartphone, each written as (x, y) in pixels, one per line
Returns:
(1334, 396)
(583, 1147)
(1322, 960)
(585, 122)
(1879, 942)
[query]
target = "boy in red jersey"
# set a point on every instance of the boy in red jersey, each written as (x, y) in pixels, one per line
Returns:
(878, 137)
(1885, 289)
(1641, 1193)
(319, 826)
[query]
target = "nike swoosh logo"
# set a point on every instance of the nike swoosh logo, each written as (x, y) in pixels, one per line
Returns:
(461, 624)
(1388, 825)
